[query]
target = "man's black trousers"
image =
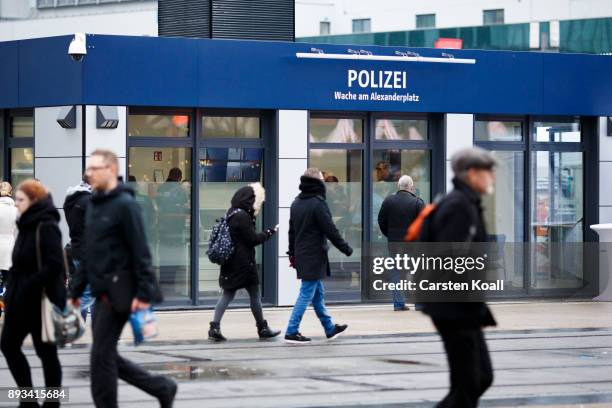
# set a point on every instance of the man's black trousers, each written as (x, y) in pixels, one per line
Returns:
(471, 372)
(107, 364)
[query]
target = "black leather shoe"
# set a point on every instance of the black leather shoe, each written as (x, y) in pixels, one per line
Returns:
(265, 332)
(214, 333)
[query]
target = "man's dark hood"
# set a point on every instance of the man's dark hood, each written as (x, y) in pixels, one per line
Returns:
(74, 194)
(41, 211)
(311, 187)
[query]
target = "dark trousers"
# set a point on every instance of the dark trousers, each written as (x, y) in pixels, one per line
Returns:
(471, 372)
(20, 320)
(107, 364)
(228, 296)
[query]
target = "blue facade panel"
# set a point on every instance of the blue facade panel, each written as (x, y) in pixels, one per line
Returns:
(9, 74)
(47, 74)
(179, 72)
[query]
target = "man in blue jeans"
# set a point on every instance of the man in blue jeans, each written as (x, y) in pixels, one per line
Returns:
(310, 226)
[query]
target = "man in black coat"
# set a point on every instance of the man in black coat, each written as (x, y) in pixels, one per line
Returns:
(396, 214)
(116, 262)
(458, 218)
(310, 226)
(75, 204)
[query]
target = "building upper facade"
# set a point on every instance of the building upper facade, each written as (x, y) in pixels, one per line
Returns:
(332, 17)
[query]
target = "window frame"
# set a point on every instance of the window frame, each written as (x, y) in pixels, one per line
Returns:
(362, 23)
(419, 17)
(497, 12)
(9, 142)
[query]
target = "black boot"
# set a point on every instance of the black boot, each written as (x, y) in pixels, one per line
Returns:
(214, 333)
(265, 332)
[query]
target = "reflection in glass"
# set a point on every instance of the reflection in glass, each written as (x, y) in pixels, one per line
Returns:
(498, 131)
(504, 219)
(401, 129)
(557, 131)
(389, 166)
(222, 172)
(158, 125)
(557, 219)
(333, 130)
(22, 164)
(342, 170)
(241, 127)
(162, 180)
(22, 126)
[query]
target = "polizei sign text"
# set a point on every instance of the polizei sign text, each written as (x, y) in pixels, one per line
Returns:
(373, 85)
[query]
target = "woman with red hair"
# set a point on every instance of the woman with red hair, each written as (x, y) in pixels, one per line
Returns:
(38, 267)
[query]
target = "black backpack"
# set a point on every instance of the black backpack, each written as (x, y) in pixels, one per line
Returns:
(220, 245)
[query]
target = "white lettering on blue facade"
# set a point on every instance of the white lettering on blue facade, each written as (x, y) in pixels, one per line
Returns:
(377, 79)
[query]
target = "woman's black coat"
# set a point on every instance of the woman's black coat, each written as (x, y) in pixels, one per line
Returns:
(25, 280)
(240, 270)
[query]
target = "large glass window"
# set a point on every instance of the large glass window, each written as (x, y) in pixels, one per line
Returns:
(504, 210)
(336, 130)
(498, 131)
(557, 219)
(241, 127)
(22, 164)
(401, 129)
(557, 132)
(20, 143)
(343, 174)
(162, 125)
(22, 126)
(222, 171)
(162, 179)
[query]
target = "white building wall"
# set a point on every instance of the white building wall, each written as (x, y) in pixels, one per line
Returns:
(57, 156)
(400, 15)
(459, 135)
(292, 161)
(127, 19)
(110, 139)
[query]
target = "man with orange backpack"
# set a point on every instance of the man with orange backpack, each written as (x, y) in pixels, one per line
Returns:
(457, 217)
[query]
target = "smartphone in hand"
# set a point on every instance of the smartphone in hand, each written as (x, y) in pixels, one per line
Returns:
(276, 227)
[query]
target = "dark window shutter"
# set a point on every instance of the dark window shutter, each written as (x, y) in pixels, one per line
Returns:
(254, 19)
(183, 18)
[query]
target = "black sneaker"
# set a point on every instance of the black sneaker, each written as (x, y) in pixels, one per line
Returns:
(401, 308)
(338, 330)
(296, 338)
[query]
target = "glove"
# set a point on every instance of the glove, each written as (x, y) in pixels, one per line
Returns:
(292, 261)
(270, 232)
(349, 252)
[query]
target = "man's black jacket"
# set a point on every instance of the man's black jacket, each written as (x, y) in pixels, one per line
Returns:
(115, 242)
(397, 213)
(310, 226)
(458, 218)
(74, 208)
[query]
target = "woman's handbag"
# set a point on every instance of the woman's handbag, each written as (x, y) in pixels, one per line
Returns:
(58, 326)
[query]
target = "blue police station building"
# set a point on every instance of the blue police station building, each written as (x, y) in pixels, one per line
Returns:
(195, 119)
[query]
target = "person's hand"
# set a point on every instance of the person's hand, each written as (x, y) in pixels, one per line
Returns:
(349, 252)
(138, 304)
(292, 261)
(270, 232)
(75, 303)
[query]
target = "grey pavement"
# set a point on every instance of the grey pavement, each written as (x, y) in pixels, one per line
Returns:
(556, 364)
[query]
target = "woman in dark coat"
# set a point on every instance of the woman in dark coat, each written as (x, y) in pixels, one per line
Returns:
(240, 270)
(26, 282)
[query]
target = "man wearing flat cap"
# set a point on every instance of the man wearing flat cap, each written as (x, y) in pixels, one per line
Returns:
(458, 218)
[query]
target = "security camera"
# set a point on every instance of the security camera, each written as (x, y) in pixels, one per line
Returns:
(78, 47)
